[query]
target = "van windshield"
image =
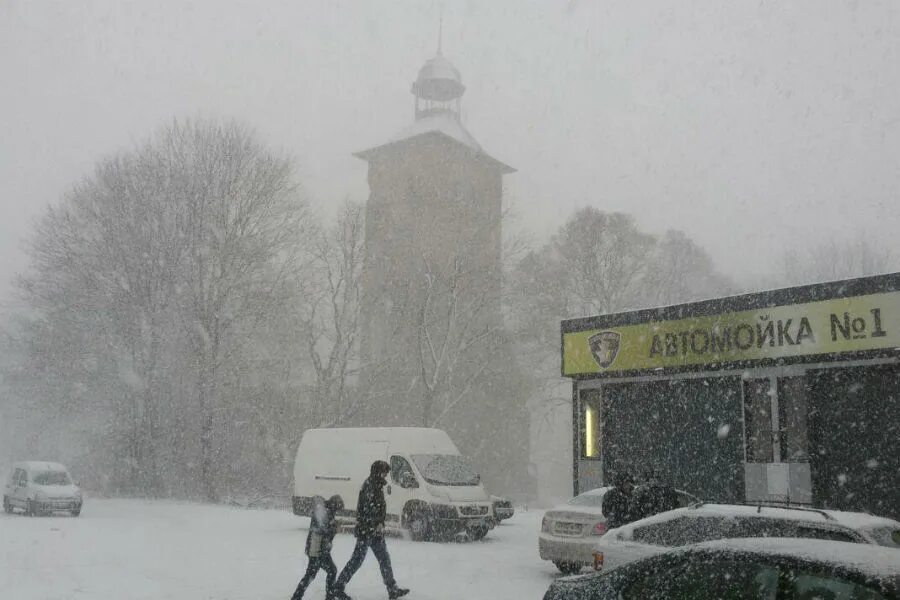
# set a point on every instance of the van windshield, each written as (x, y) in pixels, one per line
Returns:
(446, 469)
(52, 478)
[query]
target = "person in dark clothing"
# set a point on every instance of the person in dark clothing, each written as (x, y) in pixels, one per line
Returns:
(618, 504)
(653, 497)
(371, 510)
(322, 528)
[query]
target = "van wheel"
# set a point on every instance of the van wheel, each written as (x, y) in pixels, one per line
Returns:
(567, 568)
(6, 505)
(76, 512)
(418, 524)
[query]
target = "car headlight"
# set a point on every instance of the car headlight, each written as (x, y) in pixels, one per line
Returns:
(545, 525)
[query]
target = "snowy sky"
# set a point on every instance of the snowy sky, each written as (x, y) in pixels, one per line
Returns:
(753, 126)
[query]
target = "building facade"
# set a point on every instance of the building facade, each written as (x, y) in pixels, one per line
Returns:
(434, 212)
(790, 395)
(432, 340)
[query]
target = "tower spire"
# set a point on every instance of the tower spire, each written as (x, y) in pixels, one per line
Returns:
(440, 31)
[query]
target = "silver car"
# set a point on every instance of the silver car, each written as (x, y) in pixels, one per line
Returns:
(569, 532)
(39, 488)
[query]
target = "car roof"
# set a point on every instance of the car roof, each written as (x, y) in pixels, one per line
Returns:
(852, 520)
(584, 509)
(865, 558)
(596, 491)
(39, 465)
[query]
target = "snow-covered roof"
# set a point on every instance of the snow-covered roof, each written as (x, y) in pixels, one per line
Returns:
(444, 123)
(561, 510)
(853, 520)
(595, 492)
(440, 124)
(39, 465)
(865, 558)
(412, 440)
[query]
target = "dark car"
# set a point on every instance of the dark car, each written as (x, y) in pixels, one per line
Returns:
(503, 508)
(768, 569)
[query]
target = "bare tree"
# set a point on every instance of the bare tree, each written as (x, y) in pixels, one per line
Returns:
(159, 276)
(331, 318)
(835, 260)
(244, 225)
(104, 265)
(681, 271)
(457, 333)
(602, 259)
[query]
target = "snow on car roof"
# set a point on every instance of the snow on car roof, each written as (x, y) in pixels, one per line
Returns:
(595, 492)
(851, 520)
(870, 559)
(573, 506)
(39, 465)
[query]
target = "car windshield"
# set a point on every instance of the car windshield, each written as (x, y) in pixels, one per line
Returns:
(446, 469)
(52, 478)
(887, 536)
(587, 500)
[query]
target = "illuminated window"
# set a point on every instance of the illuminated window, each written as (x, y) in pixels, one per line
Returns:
(589, 432)
(590, 423)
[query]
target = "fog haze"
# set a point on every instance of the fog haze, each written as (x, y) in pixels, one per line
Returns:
(753, 126)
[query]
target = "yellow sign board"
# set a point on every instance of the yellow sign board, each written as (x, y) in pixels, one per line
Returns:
(852, 324)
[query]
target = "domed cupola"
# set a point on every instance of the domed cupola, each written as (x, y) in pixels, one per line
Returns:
(438, 88)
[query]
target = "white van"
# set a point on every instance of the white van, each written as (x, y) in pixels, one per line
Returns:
(432, 491)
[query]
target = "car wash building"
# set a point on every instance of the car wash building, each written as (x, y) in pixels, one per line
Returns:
(789, 395)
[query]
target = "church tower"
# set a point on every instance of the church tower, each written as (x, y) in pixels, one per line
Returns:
(432, 244)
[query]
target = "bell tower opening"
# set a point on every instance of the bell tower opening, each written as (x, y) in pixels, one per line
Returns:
(438, 89)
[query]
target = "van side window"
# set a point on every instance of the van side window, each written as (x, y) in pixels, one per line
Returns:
(401, 472)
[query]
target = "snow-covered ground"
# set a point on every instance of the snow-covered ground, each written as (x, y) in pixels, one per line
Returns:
(135, 550)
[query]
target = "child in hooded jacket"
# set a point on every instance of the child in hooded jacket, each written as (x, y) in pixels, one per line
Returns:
(322, 528)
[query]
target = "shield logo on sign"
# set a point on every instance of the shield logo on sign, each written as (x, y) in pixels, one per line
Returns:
(604, 346)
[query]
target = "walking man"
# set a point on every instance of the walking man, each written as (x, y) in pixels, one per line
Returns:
(371, 510)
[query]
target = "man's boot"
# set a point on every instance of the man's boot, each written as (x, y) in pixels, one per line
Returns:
(397, 592)
(338, 594)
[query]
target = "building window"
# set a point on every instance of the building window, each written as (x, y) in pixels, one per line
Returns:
(758, 420)
(792, 415)
(590, 423)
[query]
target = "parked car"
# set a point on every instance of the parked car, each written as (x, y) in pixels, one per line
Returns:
(768, 569)
(707, 522)
(40, 488)
(432, 491)
(569, 532)
(503, 508)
